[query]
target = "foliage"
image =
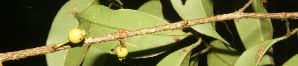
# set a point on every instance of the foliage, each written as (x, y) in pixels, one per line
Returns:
(172, 48)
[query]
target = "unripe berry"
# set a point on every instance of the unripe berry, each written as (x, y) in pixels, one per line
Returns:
(76, 35)
(121, 52)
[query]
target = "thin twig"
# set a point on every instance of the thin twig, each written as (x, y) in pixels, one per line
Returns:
(288, 27)
(206, 49)
(245, 6)
(173, 26)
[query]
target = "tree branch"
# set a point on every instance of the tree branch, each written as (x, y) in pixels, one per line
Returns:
(187, 23)
(124, 34)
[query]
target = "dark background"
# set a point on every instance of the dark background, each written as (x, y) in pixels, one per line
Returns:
(26, 23)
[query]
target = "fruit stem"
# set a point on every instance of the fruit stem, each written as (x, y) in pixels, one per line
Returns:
(62, 43)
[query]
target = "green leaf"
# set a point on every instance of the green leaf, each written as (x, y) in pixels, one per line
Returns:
(221, 56)
(75, 56)
(152, 7)
(194, 59)
(100, 20)
(186, 60)
(252, 31)
(193, 9)
(96, 57)
(196, 63)
(292, 61)
(92, 57)
(64, 22)
(253, 55)
(179, 57)
(57, 58)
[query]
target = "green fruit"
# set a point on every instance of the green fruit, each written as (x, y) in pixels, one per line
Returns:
(76, 35)
(121, 52)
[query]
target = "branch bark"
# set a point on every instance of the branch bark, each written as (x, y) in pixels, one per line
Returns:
(124, 34)
(187, 23)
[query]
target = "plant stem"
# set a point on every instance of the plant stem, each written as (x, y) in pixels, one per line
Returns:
(31, 52)
(187, 23)
(115, 36)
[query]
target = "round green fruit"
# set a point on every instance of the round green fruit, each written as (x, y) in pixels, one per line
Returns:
(76, 35)
(121, 51)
